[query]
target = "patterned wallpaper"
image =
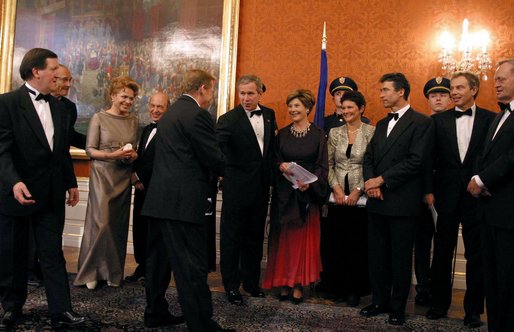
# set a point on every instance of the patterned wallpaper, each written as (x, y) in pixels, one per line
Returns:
(280, 41)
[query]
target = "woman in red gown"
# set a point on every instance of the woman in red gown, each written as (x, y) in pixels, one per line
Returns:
(294, 241)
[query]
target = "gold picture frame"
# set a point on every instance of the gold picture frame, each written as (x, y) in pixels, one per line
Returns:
(227, 59)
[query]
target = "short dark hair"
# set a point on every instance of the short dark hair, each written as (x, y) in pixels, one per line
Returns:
(35, 58)
(194, 79)
(249, 79)
(354, 96)
(306, 97)
(472, 79)
(399, 82)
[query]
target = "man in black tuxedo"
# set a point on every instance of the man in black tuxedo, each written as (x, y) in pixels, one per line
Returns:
(35, 173)
(186, 151)
(60, 90)
(459, 139)
(437, 92)
(140, 179)
(393, 165)
(494, 185)
(246, 136)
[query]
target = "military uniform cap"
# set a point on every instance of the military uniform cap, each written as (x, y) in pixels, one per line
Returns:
(343, 83)
(437, 84)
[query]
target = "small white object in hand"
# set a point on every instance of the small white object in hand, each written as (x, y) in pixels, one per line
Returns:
(127, 147)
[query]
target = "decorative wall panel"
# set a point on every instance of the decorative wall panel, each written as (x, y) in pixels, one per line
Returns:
(280, 41)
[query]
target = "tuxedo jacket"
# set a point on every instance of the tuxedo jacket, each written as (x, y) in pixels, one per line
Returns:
(451, 175)
(76, 139)
(496, 170)
(143, 165)
(247, 170)
(398, 158)
(186, 152)
(26, 156)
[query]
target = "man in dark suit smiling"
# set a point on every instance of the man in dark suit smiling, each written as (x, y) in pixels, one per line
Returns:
(246, 136)
(393, 182)
(459, 138)
(140, 179)
(35, 174)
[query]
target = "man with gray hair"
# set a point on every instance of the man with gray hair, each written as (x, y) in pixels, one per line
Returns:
(246, 135)
(493, 184)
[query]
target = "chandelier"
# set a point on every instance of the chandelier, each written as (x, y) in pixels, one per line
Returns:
(473, 52)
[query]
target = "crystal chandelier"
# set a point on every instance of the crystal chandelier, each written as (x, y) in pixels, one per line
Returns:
(473, 52)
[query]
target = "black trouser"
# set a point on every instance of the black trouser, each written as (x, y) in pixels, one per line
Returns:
(422, 248)
(242, 235)
(139, 232)
(14, 236)
(181, 246)
(445, 241)
(498, 257)
(390, 242)
(345, 269)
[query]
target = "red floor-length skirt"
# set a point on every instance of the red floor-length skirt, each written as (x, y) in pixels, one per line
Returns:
(294, 253)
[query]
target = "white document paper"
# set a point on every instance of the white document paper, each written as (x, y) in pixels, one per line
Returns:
(361, 202)
(297, 172)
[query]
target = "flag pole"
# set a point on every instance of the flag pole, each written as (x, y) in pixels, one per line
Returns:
(319, 116)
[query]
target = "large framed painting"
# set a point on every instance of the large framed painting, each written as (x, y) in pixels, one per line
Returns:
(153, 41)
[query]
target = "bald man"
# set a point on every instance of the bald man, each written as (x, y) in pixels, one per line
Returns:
(141, 175)
(60, 90)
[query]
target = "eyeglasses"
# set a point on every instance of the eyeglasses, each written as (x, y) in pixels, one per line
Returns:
(65, 79)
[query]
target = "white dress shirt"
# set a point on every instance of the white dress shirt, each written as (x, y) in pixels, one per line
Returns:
(393, 122)
(257, 122)
(464, 126)
(45, 115)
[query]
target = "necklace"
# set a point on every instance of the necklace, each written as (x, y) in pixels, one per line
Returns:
(300, 133)
(353, 131)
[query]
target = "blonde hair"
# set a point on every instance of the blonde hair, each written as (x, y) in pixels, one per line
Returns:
(121, 82)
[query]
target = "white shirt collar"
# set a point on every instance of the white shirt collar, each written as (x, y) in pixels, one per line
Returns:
(402, 111)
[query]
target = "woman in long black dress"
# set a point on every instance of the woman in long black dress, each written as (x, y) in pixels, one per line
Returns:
(294, 253)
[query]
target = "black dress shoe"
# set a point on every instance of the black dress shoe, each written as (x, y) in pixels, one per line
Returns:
(396, 318)
(34, 281)
(10, 318)
(163, 320)
(235, 297)
(353, 300)
(255, 292)
(422, 298)
(296, 300)
(472, 321)
(373, 310)
(435, 313)
(67, 319)
(135, 277)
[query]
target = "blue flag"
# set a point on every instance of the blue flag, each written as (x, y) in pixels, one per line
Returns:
(319, 116)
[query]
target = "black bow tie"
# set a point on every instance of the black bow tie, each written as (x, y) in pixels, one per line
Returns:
(256, 112)
(505, 107)
(44, 97)
(458, 114)
(152, 125)
(39, 96)
(393, 116)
